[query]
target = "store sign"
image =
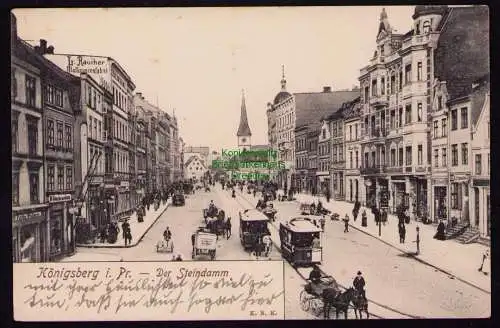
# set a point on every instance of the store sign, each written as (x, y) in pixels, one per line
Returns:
(481, 183)
(124, 184)
(59, 198)
(440, 181)
(27, 217)
(96, 180)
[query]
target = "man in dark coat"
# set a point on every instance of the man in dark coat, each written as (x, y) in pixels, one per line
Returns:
(359, 284)
(315, 275)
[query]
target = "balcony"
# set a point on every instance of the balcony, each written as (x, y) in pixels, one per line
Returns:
(414, 88)
(416, 40)
(377, 169)
(379, 100)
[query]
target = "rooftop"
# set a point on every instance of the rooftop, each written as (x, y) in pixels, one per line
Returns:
(463, 52)
(301, 224)
(313, 106)
(253, 214)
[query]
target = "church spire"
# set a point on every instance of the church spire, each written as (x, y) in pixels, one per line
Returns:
(243, 129)
(283, 81)
(384, 22)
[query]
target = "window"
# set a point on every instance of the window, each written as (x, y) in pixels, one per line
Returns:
(455, 194)
(30, 90)
(357, 159)
(464, 120)
(408, 114)
(465, 154)
(356, 131)
(419, 112)
(454, 155)
(13, 85)
(454, 120)
(478, 164)
(382, 85)
(400, 80)
(426, 27)
(366, 160)
(50, 133)
(435, 129)
(34, 188)
(60, 178)
(400, 117)
(15, 188)
(50, 178)
(393, 157)
(324, 134)
(440, 102)
(59, 134)
(400, 156)
(14, 131)
(69, 138)
(393, 83)
(69, 178)
(341, 153)
(420, 155)
(436, 157)
(443, 127)
(407, 73)
(419, 71)
(32, 136)
(367, 94)
(408, 155)
(443, 155)
(374, 88)
(393, 119)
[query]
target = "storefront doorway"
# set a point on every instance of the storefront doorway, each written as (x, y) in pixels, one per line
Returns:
(440, 204)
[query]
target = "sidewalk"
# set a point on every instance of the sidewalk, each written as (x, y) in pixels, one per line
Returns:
(460, 261)
(138, 229)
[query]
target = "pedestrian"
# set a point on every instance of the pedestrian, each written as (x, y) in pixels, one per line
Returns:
(355, 210)
(267, 244)
(418, 241)
(328, 195)
(346, 223)
(126, 232)
(402, 232)
(322, 222)
(364, 220)
(359, 284)
(486, 260)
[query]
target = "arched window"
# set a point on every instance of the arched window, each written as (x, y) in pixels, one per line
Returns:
(426, 27)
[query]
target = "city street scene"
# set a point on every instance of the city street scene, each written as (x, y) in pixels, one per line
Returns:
(356, 154)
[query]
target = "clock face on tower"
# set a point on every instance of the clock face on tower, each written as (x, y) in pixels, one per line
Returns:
(243, 140)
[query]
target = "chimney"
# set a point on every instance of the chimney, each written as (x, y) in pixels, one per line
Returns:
(327, 89)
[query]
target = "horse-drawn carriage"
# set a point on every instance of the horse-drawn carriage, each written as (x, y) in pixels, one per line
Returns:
(253, 227)
(204, 243)
(301, 241)
(270, 211)
(311, 297)
(210, 212)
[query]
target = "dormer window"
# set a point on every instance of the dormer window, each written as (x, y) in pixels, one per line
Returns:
(427, 27)
(417, 28)
(440, 102)
(324, 134)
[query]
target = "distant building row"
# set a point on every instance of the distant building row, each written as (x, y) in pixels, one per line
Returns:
(417, 129)
(85, 150)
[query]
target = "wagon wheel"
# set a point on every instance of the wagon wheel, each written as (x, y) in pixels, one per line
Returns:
(304, 301)
(316, 306)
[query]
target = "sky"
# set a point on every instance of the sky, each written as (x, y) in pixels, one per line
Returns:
(198, 60)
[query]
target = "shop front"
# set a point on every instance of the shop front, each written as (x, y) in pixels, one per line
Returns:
(29, 235)
(371, 191)
(439, 209)
(60, 223)
(481, 209)
(398, 194)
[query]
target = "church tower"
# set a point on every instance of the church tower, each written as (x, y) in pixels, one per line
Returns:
(244, 134)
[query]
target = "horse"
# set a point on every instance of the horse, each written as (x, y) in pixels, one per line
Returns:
(340, 301)
(360, 304)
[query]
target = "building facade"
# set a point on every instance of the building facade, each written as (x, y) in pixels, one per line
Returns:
(479, 188)
(336, 123)
(59, 87)
(352, 132)
(396, 93)
(324, 158)
(195, 167)
(302, 163)
(30, 229)
(312, 158)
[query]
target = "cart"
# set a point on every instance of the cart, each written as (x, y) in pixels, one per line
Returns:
(205, 243)
(165, 246)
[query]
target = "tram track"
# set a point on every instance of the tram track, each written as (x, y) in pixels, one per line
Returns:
(303, 277)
